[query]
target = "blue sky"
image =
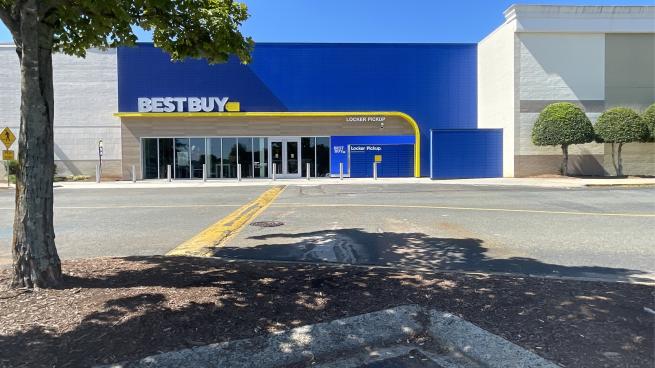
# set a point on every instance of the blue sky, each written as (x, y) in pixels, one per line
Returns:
(378, 20)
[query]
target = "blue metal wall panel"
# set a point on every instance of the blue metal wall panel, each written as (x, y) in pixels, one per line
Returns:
(339, 149)
(434, 83)
(397, 160)
(475, 153)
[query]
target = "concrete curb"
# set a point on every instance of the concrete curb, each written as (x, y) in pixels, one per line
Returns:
(554, 183)
(313, 342)
(479, 345)
(297, 345)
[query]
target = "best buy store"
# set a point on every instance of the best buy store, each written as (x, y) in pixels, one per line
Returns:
(438, 110)
(329, 108)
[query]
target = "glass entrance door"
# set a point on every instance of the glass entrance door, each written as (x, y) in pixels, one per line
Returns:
(285, 154)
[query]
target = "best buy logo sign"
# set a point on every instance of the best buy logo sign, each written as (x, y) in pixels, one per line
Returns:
(187, 104)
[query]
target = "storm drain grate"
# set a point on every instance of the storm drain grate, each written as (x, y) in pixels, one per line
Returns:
(267, 223)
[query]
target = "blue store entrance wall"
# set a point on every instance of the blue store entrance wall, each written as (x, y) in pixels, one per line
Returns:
(436, 84)
(394, 160)
(475, 153)
(340, 144)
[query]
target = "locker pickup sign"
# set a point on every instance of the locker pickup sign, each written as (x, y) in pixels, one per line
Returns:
(187, 104)
(365, 148)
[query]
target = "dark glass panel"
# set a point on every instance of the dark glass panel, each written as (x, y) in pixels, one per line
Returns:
(182, 162)
(197, 156)
(245, 157)
(150, 168)
(229, 157)
(214, 158)
(322, 156)
(308, 145)
(165, 156)
(260, 154)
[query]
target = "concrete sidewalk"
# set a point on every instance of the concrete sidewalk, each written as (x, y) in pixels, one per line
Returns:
(556, 182)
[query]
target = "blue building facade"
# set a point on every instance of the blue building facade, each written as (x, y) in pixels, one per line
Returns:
(434, 84)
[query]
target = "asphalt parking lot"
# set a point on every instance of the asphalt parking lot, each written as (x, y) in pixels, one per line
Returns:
(595, 232)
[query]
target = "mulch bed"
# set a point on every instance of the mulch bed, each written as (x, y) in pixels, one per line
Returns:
(113, 309)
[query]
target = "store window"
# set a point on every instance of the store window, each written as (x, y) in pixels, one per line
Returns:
(322, 156)
(260, 157)
(245, 157)
(197, 151)
(182, 160)
(308, 154)
(150, 167)
(214, 158)
(229, 157)
(165, 156)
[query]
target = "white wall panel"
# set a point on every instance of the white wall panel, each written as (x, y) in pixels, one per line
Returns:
(497, 89)
(86, 97)
(562, 66)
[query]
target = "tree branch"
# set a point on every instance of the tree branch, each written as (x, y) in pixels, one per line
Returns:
(8, 20)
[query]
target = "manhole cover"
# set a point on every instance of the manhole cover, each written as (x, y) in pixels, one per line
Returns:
(267, 223)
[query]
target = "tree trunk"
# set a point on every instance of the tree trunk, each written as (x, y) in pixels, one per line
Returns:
(35, 259)
(616, 168)
(564, 170)
(619, 166)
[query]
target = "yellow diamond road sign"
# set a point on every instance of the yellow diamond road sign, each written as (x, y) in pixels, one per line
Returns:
(7, 137)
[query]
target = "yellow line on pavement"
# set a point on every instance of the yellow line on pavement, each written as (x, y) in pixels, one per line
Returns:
(468, 209)
(216, 235)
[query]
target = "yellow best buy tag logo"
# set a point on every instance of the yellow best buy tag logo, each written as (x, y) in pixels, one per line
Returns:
(378, 158)
(233, 106)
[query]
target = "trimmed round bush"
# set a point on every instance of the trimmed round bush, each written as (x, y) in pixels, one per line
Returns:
(621, 125)
(649, 119)
(562, 124)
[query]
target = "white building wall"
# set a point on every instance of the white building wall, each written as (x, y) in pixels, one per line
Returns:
(562, 66)
(497, 88)
(86, 97)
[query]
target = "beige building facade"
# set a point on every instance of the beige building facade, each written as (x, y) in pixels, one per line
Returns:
(595, 56)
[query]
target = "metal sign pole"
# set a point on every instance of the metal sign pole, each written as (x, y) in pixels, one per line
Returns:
(308, 172)
(168, 173)
(340, 170)
(133, 173)
(238, 172)
(204, 172)
(274, 170)
(375, 171)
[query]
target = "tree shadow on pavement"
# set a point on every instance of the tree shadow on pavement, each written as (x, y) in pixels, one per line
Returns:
(415, 251)
(114, 309)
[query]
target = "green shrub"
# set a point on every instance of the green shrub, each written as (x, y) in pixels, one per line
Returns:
(562, 124)
(649, 119)
(618, 126)
(12, 167)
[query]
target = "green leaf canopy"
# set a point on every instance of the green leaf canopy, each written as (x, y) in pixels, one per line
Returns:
(183, 28)
(621, 125)
(562, 123)
(649, 119)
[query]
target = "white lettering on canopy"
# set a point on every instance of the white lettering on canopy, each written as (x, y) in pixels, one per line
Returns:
(181, 104)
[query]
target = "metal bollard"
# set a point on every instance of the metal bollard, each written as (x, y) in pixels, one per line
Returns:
(375, 171)
(204, 172)
(133, 173)
(308, 172)
(97, 173)
(340, 170)
(274, 170)
(238, 172)
(168, 173)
